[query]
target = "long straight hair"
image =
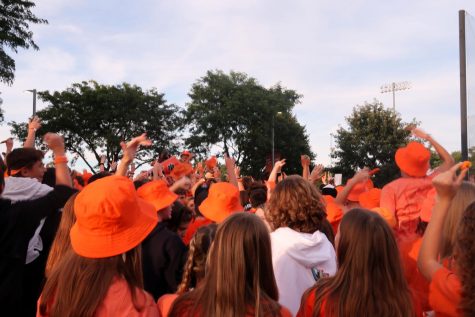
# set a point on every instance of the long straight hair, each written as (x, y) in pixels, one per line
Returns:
(464, 196)
(77, 286)
(370, 279)
(465, 253)
(239, 278)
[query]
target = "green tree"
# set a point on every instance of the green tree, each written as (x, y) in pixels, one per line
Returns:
(373, 135)
(235, 113)
(94, 118)
(15, 20)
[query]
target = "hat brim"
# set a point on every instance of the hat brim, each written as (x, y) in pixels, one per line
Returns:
(217, 213)
(406, 166)
(103, 246)
(165, 201)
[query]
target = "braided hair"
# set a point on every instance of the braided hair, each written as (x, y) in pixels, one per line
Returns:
(195, 264)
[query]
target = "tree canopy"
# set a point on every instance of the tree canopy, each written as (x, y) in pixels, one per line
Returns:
(95, 118)
(235, 113)
(15, 20)
(373, 135)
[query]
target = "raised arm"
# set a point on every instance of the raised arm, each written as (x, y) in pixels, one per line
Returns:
(157, 171)
(446, 185)
(305, 161)
(316, 174)
(101, 164)
(129, 150)
(361, 176)
(276, 170)
(56, 144)
(231, 170)
(448, 160)
(33, 125)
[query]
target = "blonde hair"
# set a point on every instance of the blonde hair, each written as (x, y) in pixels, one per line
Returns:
(465, 195)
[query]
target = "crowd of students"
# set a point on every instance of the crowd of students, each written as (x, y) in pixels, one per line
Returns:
(183, 240)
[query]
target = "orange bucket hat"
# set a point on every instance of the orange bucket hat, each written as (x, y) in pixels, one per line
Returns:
(157, 194)
(359, 189)
(370, 199)
(110, 218)
(222, 200)
(413, 159)
(180, 170)
(211, 162)
(387, 215)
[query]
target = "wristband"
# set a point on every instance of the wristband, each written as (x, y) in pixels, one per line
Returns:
(60, 160)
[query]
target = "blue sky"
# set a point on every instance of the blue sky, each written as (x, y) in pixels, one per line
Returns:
(337, 54)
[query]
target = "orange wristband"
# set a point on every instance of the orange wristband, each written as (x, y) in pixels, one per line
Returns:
(60, 160)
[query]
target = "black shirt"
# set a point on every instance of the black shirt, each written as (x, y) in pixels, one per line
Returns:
(18, 223)
(163, 258)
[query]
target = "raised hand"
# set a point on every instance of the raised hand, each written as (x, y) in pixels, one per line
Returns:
(317, 173)
(279, 164)
(55, 142)
(130, 148)
(361, 176)
(34, 124)
(420, 133)
(447, 183)
(305, 160)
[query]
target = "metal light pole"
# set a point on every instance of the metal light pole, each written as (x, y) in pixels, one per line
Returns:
(34, 100)
(393, 87)
(273, 150)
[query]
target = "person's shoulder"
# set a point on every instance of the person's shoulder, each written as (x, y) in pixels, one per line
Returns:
(284, 312)
(118, 300)
(307, 305)
(397, 182)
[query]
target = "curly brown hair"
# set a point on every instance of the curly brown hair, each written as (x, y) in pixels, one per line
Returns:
(297, 204)
(465, 252)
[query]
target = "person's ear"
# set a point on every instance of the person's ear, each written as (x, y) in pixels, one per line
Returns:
(24, 172)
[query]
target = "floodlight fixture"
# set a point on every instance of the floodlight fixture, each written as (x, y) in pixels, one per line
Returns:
(393, 87)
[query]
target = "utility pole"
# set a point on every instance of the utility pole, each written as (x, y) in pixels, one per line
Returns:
(34, 100)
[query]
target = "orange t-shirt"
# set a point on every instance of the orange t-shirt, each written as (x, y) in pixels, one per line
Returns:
(284, 312)
(404, 197)
(334, 212)
(444, 293)
(164, 304)
(307, 308)
(118, 302)
(409, 251)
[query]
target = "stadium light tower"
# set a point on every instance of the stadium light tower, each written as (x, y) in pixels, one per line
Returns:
(393, 87)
